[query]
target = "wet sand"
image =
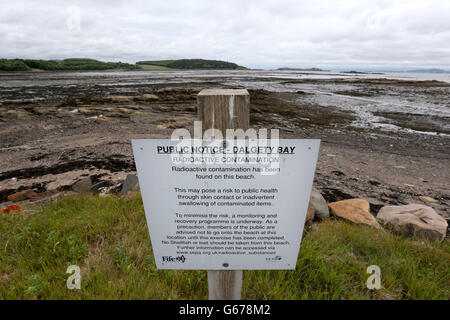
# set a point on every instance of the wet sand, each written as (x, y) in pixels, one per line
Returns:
(51, 136)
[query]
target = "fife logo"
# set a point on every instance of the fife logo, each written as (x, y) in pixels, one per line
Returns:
(181, 259)
(274, 259)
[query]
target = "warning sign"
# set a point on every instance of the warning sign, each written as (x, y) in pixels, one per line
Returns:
(225, 206)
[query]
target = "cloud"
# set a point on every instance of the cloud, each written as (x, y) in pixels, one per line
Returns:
(368, 33)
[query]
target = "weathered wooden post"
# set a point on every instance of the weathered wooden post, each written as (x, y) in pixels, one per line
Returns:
(224, 109)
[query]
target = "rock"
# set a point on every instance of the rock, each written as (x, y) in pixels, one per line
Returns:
(16, 113)
(21, 195)
(119, 98)
(102, 119)
(427, 199)
(83, 186)
(88, 111)
(131, 183)
(43, 195)
(101, 185)
(310, 214)
(149, 96)
(414, 219)
(47, 196)
(320, 204)
(355, 210)
(104, 191)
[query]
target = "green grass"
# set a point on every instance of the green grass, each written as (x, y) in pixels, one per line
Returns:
(108, 238)
(152, 67)
(163, 63)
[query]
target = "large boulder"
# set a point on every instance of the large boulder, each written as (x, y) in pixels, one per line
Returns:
(355, 210)
(414, 219)
(320, 204)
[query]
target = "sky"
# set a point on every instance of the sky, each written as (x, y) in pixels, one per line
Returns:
(344, 34)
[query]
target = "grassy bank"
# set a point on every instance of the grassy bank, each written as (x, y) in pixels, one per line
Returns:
(152, 67)
(108, 238)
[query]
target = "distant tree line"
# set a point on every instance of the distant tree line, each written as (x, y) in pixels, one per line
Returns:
(13, 65)
(67, 64)
(91, 64)
(192, 64)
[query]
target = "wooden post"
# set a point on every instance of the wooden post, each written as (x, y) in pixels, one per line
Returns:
(224, 109)
(224, 284)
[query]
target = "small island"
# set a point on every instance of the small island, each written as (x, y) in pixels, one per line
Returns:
(300, 69)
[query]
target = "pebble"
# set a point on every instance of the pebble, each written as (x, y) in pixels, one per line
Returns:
(427, 199)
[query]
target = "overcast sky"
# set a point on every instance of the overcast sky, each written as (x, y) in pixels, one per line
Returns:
(329, 34)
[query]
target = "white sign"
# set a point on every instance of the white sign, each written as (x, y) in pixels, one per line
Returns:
(227, 211)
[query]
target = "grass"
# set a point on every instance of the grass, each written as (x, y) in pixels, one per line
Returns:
(108, 238)
(153, 67)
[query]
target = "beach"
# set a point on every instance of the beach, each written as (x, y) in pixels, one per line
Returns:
(384, 137)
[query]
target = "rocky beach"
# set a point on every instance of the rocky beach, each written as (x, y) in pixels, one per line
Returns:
(384, 138)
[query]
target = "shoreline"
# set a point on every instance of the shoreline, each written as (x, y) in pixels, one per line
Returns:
(47, 146)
